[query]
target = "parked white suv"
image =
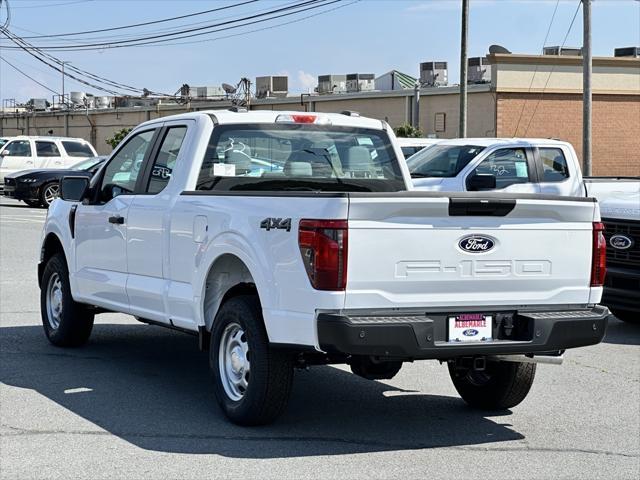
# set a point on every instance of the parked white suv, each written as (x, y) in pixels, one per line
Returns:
(27, 152)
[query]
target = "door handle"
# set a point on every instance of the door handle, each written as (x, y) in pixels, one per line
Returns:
(117, 219)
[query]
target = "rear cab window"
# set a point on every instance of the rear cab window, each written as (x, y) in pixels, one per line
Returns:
(294, 157)
(554, 164)
(77, 149)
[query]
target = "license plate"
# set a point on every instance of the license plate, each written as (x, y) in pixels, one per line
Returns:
(470, 327)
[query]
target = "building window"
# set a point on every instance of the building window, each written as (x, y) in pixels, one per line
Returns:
(440, 123)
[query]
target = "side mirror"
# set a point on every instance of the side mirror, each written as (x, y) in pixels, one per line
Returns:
(481, 181)
(4, 153)
(74, 189)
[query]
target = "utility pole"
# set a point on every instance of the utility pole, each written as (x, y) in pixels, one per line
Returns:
(415, 120)
(63, 64)
(462, 131)
(586, 88)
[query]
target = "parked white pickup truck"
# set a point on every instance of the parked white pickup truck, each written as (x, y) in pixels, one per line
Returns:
(288, 239)
(547, 167)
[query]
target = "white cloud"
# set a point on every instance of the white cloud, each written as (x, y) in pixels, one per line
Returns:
(306, 81)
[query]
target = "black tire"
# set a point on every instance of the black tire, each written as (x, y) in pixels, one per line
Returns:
(71, 325)
(500, 386)
(270, 372)
(33, 203)
(626, 316)
(45, 199)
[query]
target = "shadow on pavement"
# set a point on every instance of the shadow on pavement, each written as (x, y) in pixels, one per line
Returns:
(151, 387)
(622, 333)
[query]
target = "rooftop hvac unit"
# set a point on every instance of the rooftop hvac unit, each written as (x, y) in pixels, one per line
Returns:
(37, 104)
(433, 74)
(103, 102)
(272, 86)
(328, 84)
(360, 82)
(479, 70)
(209, 92)
(77, 98)
(633, 52)
(569, 51)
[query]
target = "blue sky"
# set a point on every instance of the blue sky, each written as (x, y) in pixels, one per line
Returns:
(367, 36)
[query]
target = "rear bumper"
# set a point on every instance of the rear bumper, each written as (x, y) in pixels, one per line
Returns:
(424, 336)
(621, 289)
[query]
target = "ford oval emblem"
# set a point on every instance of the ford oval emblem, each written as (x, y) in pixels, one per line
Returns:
(470, 332)
(476, 244)
(621, 242)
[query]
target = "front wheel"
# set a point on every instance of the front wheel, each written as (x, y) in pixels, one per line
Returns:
(66, 322)
(252, 381)
(626, 316)
(49, 193)
(501, 385)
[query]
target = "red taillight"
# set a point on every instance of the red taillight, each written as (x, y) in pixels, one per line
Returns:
(323, 245)
(599, 255)
(304, 118)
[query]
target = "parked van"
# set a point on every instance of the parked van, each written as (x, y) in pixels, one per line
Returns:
(27, 152)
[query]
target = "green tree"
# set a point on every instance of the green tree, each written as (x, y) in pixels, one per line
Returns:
(118, 137)
(408, 131)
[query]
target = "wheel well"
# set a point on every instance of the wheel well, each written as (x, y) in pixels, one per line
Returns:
(50, 247)
(228, 277)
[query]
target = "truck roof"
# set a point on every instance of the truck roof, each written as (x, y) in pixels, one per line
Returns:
(270, 116)
(490, 142)
(47, 137)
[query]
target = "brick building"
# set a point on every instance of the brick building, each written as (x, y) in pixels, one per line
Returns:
(528, 96)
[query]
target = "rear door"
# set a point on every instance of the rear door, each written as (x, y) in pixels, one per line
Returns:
(48, 154)
(429, 251)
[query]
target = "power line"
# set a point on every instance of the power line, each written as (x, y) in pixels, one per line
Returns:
(544, 43)
(564, 41)
(187, 33)
(48, 4)
(28, 76)
(133, 25)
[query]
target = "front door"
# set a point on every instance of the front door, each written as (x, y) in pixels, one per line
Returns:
(15, 156)
(101, 227)
(513, 168)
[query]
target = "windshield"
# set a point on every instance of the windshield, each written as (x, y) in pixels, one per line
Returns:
(442, 160)
(299, 157)
(86, 164)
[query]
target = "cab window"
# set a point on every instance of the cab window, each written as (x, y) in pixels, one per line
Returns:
(77, 149)
(122, 172)
(47, 149)
(18, 148)
(166, 159)
(508, 165)
(554, 165)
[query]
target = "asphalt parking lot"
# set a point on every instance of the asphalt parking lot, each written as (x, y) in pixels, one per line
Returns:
(136, 403)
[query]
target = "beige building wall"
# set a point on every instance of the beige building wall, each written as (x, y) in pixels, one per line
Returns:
(391, 109)
(481, 108)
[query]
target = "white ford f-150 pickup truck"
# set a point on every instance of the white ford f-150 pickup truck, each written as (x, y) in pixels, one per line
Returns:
(287, 239)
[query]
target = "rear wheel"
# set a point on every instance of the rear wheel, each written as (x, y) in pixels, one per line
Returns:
(626, 316)
(252, 381)
(49, 193)
(66, 322)
(500, 386)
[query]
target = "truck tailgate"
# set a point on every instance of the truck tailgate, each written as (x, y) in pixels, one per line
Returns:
(424, 250)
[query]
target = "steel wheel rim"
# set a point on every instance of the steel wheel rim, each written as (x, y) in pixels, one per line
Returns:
(54, 301)
(51, 193)
(233, 361)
